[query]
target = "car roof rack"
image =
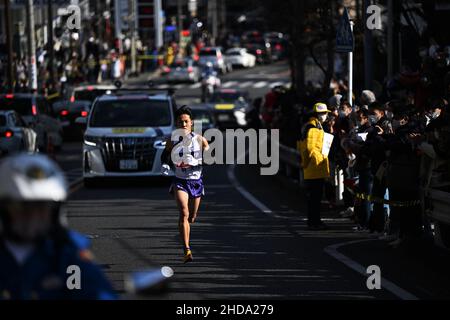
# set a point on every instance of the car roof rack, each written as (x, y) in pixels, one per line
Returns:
(147, 91)
(150, 89)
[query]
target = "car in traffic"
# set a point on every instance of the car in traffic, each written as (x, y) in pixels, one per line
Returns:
(240, 57)
(125, 134)
(67, 112)
(184, 70)
(261, 50)
(38, 115)
(216, 57)
(15, 135)
(278, 44)
(230, 106)
(90, 92)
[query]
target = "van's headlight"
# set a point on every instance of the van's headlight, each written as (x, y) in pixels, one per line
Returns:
(92, 141)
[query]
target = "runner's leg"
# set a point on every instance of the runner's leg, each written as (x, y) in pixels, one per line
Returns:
(194, 204)
(182, 200)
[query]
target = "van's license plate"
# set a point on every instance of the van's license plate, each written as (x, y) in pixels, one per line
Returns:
(128, 164)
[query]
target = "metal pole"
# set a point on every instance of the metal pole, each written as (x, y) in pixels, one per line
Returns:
(214, 21)
(368, 51)
(350, 72)
(31, 47)
(158, 24)
(132, 24)
(390, 42)
(118, 24)
(179, 19)
(50, 42)
(10, 72)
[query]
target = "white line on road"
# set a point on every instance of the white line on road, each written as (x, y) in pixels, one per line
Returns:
(229, 84)
(245, 84)
(388, 285)
(248, 195)
(195, 85)
(278, 83)
(260, 84)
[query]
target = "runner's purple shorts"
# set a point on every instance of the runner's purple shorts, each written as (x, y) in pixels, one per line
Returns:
(194, 188)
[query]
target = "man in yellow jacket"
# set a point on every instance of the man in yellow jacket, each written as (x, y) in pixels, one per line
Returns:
(315, 163)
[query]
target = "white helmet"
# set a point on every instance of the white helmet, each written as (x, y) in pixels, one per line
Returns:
(209, 64)
(27, 177)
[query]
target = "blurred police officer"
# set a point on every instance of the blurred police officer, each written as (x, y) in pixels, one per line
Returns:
(40, 258)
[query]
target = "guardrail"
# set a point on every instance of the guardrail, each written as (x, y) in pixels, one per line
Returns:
(290, 163)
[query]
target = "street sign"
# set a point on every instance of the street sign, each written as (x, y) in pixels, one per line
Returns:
(344, 35)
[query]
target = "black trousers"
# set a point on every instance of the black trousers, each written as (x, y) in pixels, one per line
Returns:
(314, 192)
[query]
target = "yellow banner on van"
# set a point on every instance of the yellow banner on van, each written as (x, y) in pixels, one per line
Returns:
(224, 106)
(128, 130)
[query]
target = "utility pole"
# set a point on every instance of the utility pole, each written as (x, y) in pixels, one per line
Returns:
(32, 82)
(179, 19)
(390, 41)
(212, 20)
(118, 24)
(132, 26)
(158, 24)
(350, 72)
(10, 72)
(368, 50)
(51, 62)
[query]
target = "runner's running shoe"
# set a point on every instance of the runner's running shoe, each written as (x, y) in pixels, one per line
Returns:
(188, 256)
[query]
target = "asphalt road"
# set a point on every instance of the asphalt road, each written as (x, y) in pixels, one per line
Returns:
(250, 240)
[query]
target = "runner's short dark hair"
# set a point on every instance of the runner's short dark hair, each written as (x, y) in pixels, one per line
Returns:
(183, 110)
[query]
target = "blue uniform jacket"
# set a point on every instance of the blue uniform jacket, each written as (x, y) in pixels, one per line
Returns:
(46, 273)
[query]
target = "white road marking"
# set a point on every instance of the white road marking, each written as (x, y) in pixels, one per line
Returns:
(388, 285)
(195, 85)
(248, 195)
(229, 84)
(278, 83)
(245, 84)
(260, 84)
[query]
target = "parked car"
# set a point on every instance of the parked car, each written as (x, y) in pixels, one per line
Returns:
(67, 112)
(240, 57)
(215, 56)
(185, 70)
(125, 135)
(15, 135)
(38, 115)
(230, 106)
